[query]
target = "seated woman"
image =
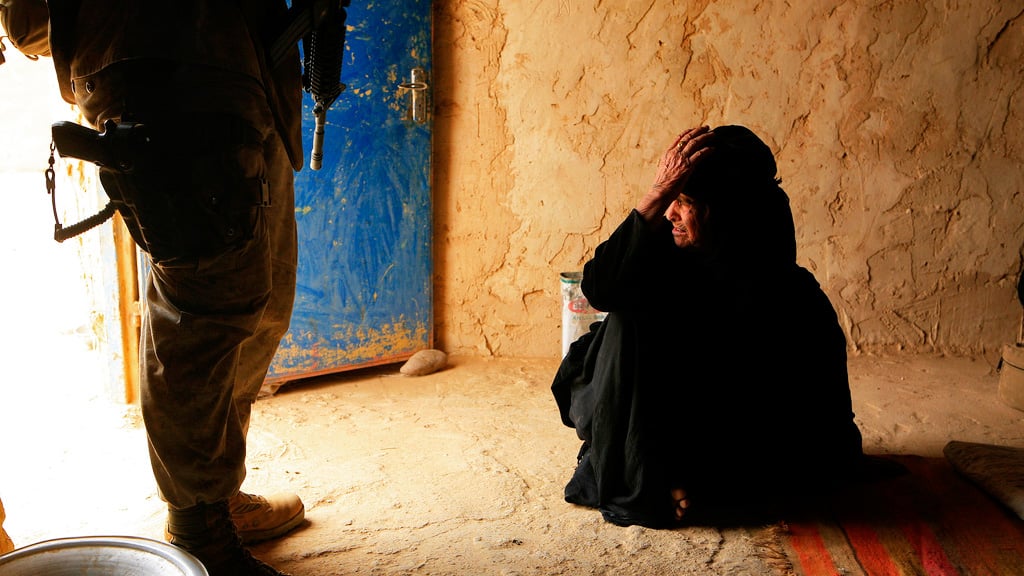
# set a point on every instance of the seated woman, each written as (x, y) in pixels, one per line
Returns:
(717, 386)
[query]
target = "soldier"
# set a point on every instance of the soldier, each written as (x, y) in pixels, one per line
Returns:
(209, 195)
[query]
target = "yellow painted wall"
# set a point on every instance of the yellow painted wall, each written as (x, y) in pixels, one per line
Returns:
(898, 127)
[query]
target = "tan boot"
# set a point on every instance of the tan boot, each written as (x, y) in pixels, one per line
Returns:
(259, 518)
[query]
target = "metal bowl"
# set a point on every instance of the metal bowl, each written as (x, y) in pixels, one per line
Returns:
(100, 556)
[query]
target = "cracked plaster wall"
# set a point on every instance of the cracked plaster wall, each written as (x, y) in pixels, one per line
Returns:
(898, 129)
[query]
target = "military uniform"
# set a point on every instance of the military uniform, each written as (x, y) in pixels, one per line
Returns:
(224, 141)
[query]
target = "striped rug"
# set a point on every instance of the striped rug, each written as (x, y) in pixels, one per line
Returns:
(930, 521)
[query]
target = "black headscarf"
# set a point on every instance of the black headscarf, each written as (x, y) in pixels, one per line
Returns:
(751, 221)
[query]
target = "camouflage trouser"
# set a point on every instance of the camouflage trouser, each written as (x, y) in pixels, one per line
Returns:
(208, 191)
(210, 330)
(211, 327)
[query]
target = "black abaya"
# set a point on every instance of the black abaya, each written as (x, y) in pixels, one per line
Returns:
(723, 375)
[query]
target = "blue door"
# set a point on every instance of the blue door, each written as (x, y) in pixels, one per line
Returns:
(364, 292)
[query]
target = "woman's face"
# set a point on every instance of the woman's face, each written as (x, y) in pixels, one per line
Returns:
(689, 222)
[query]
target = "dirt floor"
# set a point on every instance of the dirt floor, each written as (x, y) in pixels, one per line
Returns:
(458, 472)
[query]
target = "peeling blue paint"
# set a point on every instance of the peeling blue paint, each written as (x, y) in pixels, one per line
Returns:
(364, 291)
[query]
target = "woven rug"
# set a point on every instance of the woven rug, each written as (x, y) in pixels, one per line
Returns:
(929, 521)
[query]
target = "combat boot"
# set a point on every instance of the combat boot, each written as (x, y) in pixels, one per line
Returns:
(207, 532)
(259, 518)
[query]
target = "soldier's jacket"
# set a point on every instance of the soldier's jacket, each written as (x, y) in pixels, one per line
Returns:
(190, 32)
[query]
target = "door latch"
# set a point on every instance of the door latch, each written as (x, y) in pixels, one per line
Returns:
(417, 87)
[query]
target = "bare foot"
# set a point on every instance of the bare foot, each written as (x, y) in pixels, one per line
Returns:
(680, 503)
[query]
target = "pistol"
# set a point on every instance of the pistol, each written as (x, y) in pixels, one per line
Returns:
(116, 147)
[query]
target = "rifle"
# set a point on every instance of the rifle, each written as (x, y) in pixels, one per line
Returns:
(321, 26)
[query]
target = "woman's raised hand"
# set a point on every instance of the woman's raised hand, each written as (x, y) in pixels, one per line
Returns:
(674, 169)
